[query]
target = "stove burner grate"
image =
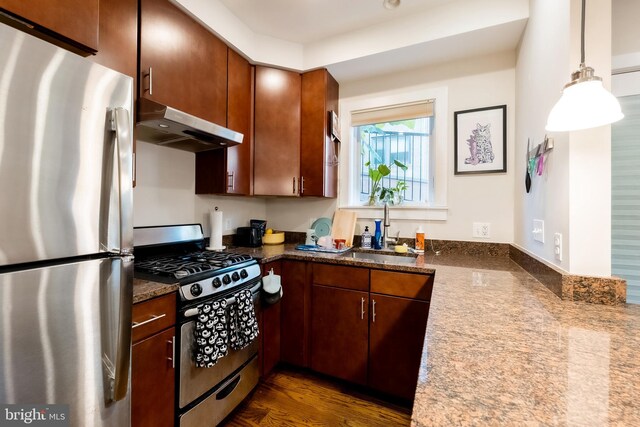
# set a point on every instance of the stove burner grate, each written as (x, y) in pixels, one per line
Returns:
(181, 266)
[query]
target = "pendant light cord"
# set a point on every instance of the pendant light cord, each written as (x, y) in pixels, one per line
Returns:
(582, 34)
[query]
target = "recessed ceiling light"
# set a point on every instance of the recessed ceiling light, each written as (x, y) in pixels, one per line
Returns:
(391, 4)
(162, 125)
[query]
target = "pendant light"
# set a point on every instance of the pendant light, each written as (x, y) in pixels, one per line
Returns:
(585, 103)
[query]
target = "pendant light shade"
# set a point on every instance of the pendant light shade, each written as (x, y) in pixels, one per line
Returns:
(585, 103)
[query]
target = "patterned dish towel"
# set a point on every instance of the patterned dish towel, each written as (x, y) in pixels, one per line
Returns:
(243, 326)
(211, 333)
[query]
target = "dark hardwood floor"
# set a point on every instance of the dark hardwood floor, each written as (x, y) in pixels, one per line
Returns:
(297, 398)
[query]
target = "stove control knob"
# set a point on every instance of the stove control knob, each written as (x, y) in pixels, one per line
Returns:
(243, 273)
(216, 282)
(196, 289)
(226, 279)
(235, 276)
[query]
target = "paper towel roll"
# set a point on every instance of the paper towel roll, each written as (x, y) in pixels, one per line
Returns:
(215, 221)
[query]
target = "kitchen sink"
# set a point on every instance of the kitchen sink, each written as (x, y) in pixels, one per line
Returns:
(379, 257)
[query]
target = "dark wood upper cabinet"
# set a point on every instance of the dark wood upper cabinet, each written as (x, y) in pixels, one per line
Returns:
(294, 152)
(119, 36)
(230, 170)
(182, 64)
(396, 337)
(277, 132)
(318, 152)
(72, 24)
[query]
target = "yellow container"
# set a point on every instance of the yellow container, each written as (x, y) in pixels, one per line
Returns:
(276, 238)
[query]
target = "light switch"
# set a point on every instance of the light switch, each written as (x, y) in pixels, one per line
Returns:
(538, 230)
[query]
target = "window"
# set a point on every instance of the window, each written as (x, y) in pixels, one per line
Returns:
(423, 110)
(393, 136)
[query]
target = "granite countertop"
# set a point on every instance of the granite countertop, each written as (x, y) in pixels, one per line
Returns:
(502, 349)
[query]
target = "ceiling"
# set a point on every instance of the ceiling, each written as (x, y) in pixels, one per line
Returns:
(308, 21)
(358, 39)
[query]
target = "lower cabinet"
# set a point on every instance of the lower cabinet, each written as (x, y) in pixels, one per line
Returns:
(152, 363)
(295, 316)
(396, 336)
(367, 326)
(339, 333)
(270, 327)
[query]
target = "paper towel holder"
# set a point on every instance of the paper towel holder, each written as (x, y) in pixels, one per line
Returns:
(215, 221)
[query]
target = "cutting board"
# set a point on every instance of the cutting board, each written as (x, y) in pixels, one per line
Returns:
(344, 225)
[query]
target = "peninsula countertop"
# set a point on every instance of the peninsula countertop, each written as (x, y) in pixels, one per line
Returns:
(501, 349)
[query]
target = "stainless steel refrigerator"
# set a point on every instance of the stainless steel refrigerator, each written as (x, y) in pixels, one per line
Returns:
(66, 269)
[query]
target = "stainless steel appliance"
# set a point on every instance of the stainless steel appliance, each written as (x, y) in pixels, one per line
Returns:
(66, 269)
(175, 254)
(163, 125)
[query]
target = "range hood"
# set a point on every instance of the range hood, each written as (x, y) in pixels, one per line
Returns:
(163, 125)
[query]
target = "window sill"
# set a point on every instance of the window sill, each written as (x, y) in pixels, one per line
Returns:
(401, 212)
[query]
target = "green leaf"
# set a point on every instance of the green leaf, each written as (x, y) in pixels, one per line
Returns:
(400, 165)
(375, 174)
(384, 170)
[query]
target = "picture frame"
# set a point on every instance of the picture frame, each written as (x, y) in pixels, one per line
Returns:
(480, 140)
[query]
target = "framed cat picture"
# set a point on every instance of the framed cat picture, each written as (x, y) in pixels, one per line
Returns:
(480, 138)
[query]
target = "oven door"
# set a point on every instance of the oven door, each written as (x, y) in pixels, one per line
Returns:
(194, 381)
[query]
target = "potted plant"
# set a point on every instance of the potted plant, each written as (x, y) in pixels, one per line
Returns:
(380, 193)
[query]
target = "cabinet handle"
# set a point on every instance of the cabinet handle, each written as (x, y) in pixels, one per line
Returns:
(154, 317)
(150, 75)
(362, 309)
(294, 185)
(301, 185)
(231, 180)
(373, 311)
(173, 351)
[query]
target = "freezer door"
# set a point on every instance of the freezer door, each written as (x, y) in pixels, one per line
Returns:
(65, 338)
(65, 153)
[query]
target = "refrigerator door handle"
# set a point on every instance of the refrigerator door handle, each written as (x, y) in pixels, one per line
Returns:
(121, 366)
(123, 226)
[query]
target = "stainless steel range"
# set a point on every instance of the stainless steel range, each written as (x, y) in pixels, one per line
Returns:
(176, 254)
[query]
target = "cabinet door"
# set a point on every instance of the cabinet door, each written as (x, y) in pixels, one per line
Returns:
(339, 333)
(277, 132)
(396, 340)
(295, 303)
(318, 153)
(153, 381)
(230, 171)
(270, 350)
(182, 64)
(73, 21)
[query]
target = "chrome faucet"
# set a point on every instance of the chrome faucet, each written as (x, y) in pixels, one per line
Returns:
(387, 224)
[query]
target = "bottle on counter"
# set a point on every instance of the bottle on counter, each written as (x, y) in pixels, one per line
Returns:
(377, 236)
(420, 240)
(366, 238)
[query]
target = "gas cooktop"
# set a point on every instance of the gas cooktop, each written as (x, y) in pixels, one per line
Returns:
(194, 263)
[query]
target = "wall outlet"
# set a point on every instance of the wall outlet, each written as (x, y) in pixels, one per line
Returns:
(557, 246)
(482, 230)
(227, 224)
(538, 230)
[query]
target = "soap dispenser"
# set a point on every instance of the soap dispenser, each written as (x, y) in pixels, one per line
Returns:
(366, 238)
(420, 240)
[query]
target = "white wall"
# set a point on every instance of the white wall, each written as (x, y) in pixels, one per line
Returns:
(165, 193)
(478, 82)
(573, 196)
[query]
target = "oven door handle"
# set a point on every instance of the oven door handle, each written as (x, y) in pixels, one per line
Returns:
(194, 311)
